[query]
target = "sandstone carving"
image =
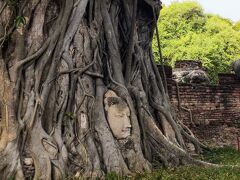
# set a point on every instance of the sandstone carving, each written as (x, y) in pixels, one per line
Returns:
(118, 114)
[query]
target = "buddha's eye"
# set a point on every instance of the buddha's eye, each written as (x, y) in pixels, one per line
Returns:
(112, 103)
(120, 115)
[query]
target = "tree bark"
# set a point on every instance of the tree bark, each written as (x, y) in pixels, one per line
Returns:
(58, 59)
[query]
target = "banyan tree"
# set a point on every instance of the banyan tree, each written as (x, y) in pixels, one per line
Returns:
(80, 94)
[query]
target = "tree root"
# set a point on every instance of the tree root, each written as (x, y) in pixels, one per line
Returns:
(60, 121)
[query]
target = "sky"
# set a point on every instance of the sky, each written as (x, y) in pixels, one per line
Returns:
(225, 8)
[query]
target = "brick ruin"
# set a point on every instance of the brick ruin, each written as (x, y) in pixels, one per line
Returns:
(211, 111)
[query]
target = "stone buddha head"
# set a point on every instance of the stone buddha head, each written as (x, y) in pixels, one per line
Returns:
(118, 114)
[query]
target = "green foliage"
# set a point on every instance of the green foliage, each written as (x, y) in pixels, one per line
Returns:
(113, 176)
(196, 173)
(10, 178)
(70, 115)
(20, 21)
(237, 26)
(186, 32)
(12, 3)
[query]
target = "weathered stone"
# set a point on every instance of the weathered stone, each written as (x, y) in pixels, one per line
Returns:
(84, 122)
(189, 71)
(118, 114)
(193, 76)
(236, 67)
(77, 175)
(190, 147)
(28, 161)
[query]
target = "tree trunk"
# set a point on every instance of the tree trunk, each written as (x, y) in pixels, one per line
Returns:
(80, 94)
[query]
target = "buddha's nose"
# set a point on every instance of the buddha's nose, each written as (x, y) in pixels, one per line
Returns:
(127, 123)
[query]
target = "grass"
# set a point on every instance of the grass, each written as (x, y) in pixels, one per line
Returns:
(226, 156)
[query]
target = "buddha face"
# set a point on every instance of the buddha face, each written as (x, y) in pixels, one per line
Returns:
(118, 115)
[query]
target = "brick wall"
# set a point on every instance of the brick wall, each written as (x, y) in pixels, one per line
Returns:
(209, 104)
(215, 108)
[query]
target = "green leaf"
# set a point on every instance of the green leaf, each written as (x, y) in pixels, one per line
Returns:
(20, 21)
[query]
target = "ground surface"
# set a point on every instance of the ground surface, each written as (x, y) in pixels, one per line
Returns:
(226, 155)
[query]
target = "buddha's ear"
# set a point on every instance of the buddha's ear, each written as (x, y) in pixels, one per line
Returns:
(106, 106)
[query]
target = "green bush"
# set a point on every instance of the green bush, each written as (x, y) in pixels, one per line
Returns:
(186, 33)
